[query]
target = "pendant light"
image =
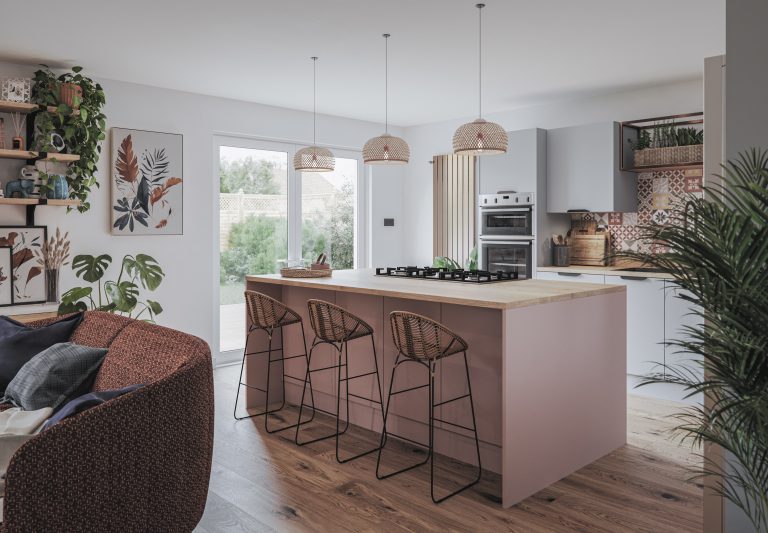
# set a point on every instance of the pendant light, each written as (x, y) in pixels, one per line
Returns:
(314, 158)
(480, 137)
(386, 149)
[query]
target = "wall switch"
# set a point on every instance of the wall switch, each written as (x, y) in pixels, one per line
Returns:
(389, 221)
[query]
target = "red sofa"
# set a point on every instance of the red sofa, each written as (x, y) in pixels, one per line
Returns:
(140, 462)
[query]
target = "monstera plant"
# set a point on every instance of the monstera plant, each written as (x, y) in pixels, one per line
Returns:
(123, 295)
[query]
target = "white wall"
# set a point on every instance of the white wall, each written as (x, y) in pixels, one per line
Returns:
(187, 293)
(431, 139)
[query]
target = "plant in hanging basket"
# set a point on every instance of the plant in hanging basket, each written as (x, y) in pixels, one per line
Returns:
(79, 120)
(667, 144)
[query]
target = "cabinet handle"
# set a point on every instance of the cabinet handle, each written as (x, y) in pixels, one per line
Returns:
(578, 211)
(569, 274)
(634, 278)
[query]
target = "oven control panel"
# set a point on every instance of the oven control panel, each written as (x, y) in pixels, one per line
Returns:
(506, 199)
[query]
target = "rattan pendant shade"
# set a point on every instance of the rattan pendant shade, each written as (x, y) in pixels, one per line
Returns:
(314, 158)
(386, 149)
(480, 137)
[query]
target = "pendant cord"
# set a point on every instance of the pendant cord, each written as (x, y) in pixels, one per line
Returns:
(386, 83)
(480, 60)
(314, 101)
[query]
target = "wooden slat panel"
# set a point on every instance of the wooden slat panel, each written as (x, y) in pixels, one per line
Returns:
(454, 209)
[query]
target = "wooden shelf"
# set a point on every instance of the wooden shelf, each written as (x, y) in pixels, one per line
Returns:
(39, 201)
(28, 154)
(16, 107)
(661, 168)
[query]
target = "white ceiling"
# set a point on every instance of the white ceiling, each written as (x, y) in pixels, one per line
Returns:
(536, 51)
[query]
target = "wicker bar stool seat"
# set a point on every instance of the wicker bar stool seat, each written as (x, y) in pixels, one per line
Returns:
(423, 341)
(271, 316)
(335, 326)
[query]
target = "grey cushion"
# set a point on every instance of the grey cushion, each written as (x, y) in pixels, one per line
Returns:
(54, 376)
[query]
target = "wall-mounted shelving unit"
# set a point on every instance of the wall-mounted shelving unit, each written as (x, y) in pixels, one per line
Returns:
(632, 128)
(32, 156)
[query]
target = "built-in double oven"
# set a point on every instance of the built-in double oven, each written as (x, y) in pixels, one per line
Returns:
(506, 236)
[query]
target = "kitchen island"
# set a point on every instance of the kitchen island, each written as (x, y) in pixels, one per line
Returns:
(547, 362)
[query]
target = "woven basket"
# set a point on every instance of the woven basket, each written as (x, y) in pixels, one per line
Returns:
(305, 273)
(673, 155)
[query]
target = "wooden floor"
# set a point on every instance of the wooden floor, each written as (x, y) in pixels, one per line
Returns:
(264, 482)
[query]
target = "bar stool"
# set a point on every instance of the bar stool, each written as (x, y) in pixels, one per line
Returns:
(268, 315)
(423, 341)
(336, 327)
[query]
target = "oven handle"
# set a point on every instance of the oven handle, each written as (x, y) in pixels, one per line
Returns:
(484, 209)
(511, 239)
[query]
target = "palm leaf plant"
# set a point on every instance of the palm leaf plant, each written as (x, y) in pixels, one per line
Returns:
(717, 252)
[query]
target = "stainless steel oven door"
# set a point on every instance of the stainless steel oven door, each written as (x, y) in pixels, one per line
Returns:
(507, 256)
(506, 221)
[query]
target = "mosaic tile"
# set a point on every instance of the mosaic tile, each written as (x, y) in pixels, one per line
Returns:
(660, 201)
(615, 219)
(661, 185)
(629, 219)
(692, 184)
(660, 217)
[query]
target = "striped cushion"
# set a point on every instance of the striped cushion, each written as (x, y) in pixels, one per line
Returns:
(54, 376)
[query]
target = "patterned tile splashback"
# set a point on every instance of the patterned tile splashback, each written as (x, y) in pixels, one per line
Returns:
(657, 193)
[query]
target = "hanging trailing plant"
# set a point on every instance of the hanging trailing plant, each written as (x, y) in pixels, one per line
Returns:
(78, 118)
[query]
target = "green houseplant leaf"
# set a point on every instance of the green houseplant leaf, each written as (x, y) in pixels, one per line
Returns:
(146, 268)
(123, 295)
(91, 268)
(155, 307)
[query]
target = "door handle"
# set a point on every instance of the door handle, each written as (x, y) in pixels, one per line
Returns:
(634, 278)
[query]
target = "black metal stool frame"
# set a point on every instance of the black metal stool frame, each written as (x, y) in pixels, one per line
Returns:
(431, 367)
(341, 346)
(270, 334)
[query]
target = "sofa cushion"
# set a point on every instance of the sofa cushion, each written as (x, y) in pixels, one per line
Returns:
(20, 343)
(85, 402)
(54, 376)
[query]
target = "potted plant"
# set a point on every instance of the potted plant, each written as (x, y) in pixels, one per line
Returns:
(51, 256)
(667, 144)
(77, 116)
(718, 256)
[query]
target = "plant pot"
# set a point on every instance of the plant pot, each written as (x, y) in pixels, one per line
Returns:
(68, 92)
(58, 188)
(52, 285)
(673, 155)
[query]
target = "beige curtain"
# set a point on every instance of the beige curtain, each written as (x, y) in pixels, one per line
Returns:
(455, 206)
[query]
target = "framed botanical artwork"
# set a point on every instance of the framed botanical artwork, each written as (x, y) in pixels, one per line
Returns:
(6, 276)
(147, 183)
(28, 278)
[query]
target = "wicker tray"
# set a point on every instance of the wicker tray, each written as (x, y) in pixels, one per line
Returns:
(305, 273)
(673, 155)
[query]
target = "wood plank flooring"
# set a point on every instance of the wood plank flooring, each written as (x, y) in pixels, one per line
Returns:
(263, 483)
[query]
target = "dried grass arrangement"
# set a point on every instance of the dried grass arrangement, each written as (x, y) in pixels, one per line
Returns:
(54, 253)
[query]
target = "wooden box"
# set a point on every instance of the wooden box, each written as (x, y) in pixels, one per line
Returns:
(590, 250)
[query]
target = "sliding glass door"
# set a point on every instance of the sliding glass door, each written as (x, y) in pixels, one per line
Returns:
(271, 216)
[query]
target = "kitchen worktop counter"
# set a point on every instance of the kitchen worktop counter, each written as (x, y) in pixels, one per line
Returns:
(499, 295)
(605, 271)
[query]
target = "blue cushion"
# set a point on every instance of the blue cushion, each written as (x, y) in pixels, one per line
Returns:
(85, 402)
(20, 343)
(54, 376)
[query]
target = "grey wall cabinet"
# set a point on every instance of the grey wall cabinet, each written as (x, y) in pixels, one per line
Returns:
(584, 170)
(518, 168)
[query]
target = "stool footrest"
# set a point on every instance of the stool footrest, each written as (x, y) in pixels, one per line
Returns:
(326, 368)
(452, 400)
(252, 387)
(363, 398)
(409, 389)
(417, 443)
(358, 376)
(453, 424)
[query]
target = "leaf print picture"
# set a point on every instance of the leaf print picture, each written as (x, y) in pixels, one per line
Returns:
(26, 276)
(147, 183)
(6, 268)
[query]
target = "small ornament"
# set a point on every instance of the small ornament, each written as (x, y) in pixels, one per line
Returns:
(2, 133)
(16, 90)
(18, 126)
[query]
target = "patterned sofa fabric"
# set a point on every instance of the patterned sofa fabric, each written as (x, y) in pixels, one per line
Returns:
(140, 462)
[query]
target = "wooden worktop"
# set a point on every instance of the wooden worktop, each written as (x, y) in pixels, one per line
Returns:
(501, 295)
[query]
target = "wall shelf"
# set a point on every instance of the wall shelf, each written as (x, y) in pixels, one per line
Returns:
(17, 107)
(39, 156)
(630, 129)
(31, 205)
(661, 168)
